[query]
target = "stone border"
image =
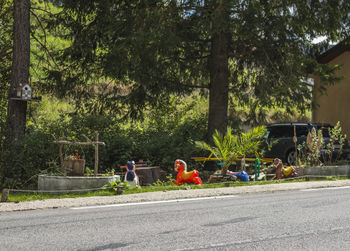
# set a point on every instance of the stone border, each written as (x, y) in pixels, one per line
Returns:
(59, 184)
(342, 170)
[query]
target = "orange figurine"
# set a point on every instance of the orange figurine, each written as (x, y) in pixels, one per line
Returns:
(183, 176)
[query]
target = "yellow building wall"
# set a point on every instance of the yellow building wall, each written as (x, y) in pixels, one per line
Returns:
(334, 105)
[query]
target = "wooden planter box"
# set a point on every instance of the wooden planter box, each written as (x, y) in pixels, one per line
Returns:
(74, 167)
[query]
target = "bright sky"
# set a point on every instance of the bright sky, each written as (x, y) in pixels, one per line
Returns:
(319, 39)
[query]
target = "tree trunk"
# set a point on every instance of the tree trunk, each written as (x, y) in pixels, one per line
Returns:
(219, 77)
(17, 110)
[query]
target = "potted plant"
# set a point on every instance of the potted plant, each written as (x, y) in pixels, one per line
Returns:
(227, 148)
(74, 165)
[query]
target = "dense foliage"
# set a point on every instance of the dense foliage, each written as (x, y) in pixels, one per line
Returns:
(140, 52)
(128, 70)
(162, 137)
(5, 60)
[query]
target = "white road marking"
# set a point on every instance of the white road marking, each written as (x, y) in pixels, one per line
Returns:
(324, 188)
(154, 202)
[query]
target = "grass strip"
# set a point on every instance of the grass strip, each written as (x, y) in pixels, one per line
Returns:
(20, 196)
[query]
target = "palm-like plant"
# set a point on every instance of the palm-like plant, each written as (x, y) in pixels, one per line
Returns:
(227, 148)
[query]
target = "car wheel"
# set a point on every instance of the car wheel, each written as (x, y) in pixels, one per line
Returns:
(291, 157)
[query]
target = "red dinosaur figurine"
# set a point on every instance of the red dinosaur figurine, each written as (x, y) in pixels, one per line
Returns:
(183, 176)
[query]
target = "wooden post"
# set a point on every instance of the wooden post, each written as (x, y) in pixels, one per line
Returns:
(5, 194)
(295, 140)
(96, 155)
(61, 153)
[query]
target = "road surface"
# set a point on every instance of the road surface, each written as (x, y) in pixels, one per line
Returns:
(311, 219)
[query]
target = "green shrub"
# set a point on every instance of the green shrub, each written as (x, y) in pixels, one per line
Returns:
(113, 185)
(227, 148)
(316, 149)
(164, 135)
(336, 136)
(36, 155)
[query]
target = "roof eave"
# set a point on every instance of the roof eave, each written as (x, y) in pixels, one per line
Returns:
(334, 52)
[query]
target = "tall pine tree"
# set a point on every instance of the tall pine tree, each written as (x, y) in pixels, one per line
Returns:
(258, 51)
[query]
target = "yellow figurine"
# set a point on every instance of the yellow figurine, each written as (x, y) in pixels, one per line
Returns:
(283, 172)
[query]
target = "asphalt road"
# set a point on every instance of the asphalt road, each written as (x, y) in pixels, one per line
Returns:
(310, 219)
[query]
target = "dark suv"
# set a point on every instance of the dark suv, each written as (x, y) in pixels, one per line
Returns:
(280, 136)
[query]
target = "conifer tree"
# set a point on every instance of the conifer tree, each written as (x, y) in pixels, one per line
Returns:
(257, 51)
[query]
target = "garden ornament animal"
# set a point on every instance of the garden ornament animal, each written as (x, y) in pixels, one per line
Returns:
(183, 176)
(283, 172)
(241, 176)
(131, 176)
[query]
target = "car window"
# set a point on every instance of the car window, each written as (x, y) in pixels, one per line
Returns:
(280, 131)
(325, 131)
(301, 131)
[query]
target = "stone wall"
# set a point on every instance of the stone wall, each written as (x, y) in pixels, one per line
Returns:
(343, 170)
(63, 183)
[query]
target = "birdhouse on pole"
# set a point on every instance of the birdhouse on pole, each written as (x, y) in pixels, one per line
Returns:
(24, 91)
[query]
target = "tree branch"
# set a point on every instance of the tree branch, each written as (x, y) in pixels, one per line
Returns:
(48, 12)
(46, 49)
(40, 24)
(197, 86)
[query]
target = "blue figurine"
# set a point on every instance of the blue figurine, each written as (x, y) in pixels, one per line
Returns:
(243, 176)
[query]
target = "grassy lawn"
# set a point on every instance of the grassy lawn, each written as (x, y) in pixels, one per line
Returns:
(17, 197)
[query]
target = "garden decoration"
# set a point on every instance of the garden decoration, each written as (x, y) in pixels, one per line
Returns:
(260, 177)
(131, 176)
(215, 178)
(257, 167)
(24, 92)
(241, 176)
(88, 143)
(257, 164)
(283, 172)
(73, 165)
(183, 176)
(243, 167)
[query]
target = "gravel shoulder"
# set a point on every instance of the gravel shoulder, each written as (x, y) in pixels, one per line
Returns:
(165, 195)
